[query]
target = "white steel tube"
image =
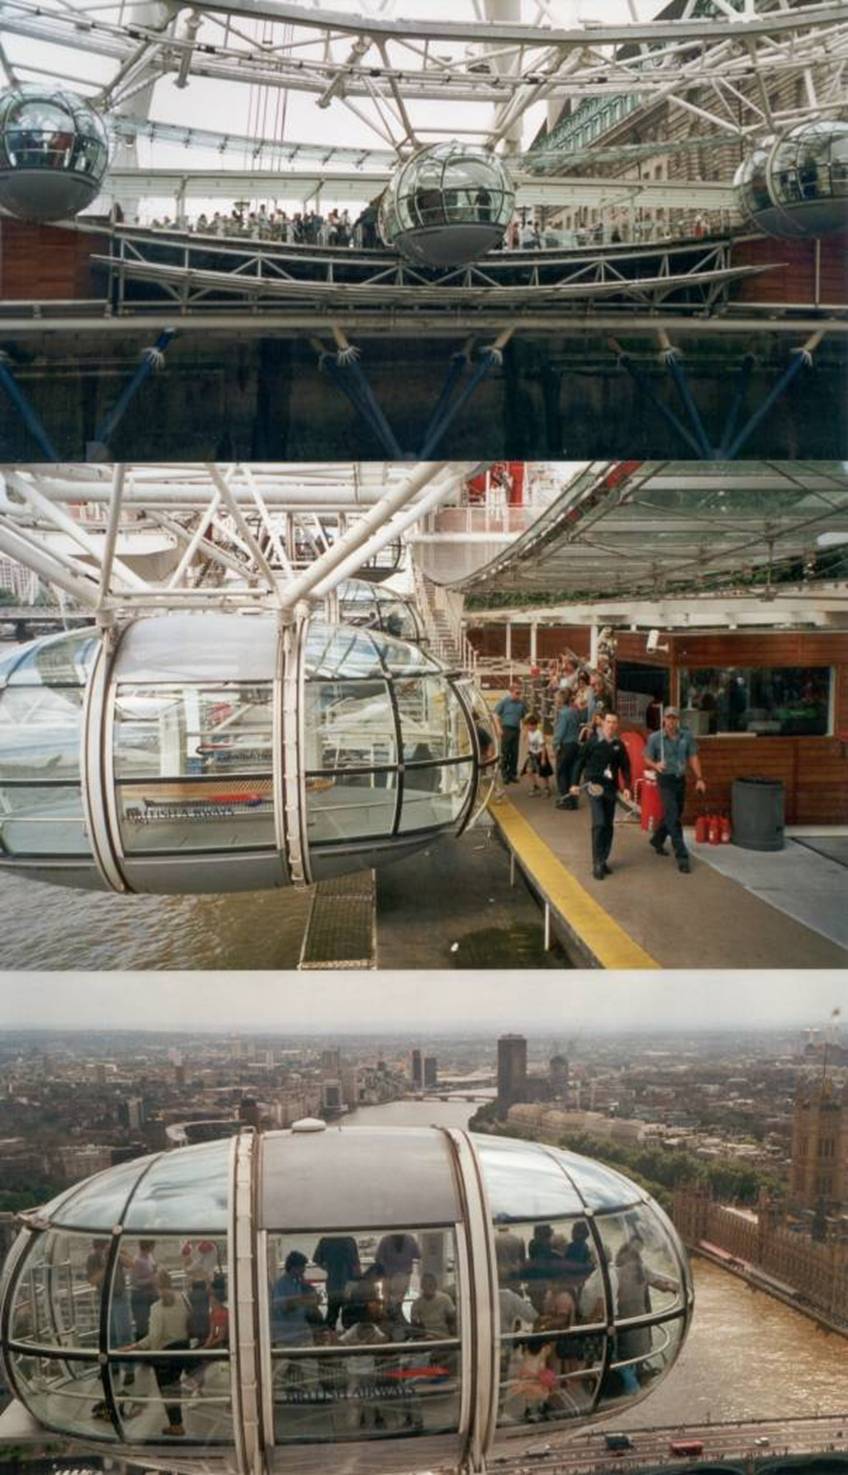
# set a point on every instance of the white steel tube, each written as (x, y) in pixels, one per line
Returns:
(196, 540)
(358, 535)
(392, 529)
(18, 547)
(74, 530)
(238, 518)
(112, 531)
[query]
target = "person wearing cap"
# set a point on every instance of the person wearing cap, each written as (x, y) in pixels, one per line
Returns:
(669, 753)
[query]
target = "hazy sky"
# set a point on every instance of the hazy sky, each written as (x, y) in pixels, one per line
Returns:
(532, 1002)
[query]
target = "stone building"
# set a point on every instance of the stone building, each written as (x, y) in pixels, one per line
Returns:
(815, 1272)
(694, 148)
(819, 1154)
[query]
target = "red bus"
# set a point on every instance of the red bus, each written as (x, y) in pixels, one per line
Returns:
(686, 1447)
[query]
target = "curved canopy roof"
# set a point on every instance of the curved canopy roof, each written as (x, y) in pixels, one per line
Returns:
(641, 529)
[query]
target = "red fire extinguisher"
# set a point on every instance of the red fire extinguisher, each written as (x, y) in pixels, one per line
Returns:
(714, 830)
(701, 829)
(726, 829)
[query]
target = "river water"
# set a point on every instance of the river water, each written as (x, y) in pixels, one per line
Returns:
(747, 1356)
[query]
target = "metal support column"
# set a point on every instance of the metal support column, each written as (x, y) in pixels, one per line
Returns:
(641, 380)
(347, 375)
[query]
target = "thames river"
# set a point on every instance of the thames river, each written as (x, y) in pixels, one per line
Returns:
(747, 1356)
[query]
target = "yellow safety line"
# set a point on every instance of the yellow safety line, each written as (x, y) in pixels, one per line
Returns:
(605, 938)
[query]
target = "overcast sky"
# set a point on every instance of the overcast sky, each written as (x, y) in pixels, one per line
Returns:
(531, 1002)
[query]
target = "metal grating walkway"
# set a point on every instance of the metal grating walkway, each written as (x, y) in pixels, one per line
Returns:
(342, 928)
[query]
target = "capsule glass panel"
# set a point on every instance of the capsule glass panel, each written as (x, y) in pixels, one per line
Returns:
(797, 185)
(365, 1334)
(642, 1355)
(566, 1276)
(349, 724)
(182, 1190)
(350, 807)
(447, 205)
(53, 152)
(363, 603)
(205, 756)
(64, 1394)
(58, 1295)
(100, 1202)
(487, 746)
(41, 708)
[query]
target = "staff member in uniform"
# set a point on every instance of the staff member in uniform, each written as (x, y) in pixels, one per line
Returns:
(566, 745)
(668, 752)
(510, 713)
(603, 758)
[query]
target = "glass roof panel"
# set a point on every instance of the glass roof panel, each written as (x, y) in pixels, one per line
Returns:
(347, 651)
(99, 1203)
(55, 660)
(186, 1189)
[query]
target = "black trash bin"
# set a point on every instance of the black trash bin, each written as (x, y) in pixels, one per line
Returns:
(757, 809)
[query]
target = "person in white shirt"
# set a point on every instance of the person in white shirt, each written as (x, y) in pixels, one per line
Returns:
(434, 1310)
(168, 1331)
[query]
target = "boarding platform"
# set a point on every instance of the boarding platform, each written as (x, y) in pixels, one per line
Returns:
(647, 915)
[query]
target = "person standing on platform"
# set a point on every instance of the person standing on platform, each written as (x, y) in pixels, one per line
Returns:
(603, 758)
(510, 712)
(566, 746)
(669, 752)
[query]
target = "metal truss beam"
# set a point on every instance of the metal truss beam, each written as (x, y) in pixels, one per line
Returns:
(396, 62)
(43, 319)
(338, 184)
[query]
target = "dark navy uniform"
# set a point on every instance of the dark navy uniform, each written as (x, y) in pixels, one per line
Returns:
(601, 761)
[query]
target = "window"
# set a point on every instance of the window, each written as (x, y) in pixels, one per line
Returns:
(125, 1337)
(41, 809)
(572, 1261)
(365, 1334)
(193, 767)
(771, 701)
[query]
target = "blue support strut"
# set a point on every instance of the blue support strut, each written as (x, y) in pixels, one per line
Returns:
(151, 359)
(644, 384)
(802, 358)
(681, 383)
(351, 387)
(742, 381)
(31, 419)
(387, 434)
(455, 372)
(488, 359)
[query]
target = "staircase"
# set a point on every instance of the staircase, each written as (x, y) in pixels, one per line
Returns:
(441, 612)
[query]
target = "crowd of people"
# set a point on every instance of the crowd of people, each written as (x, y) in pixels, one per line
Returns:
(339, 228)
(552, 1285)
(584, 750)
(398, 1298)
(360, 1307)
(301, 228)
